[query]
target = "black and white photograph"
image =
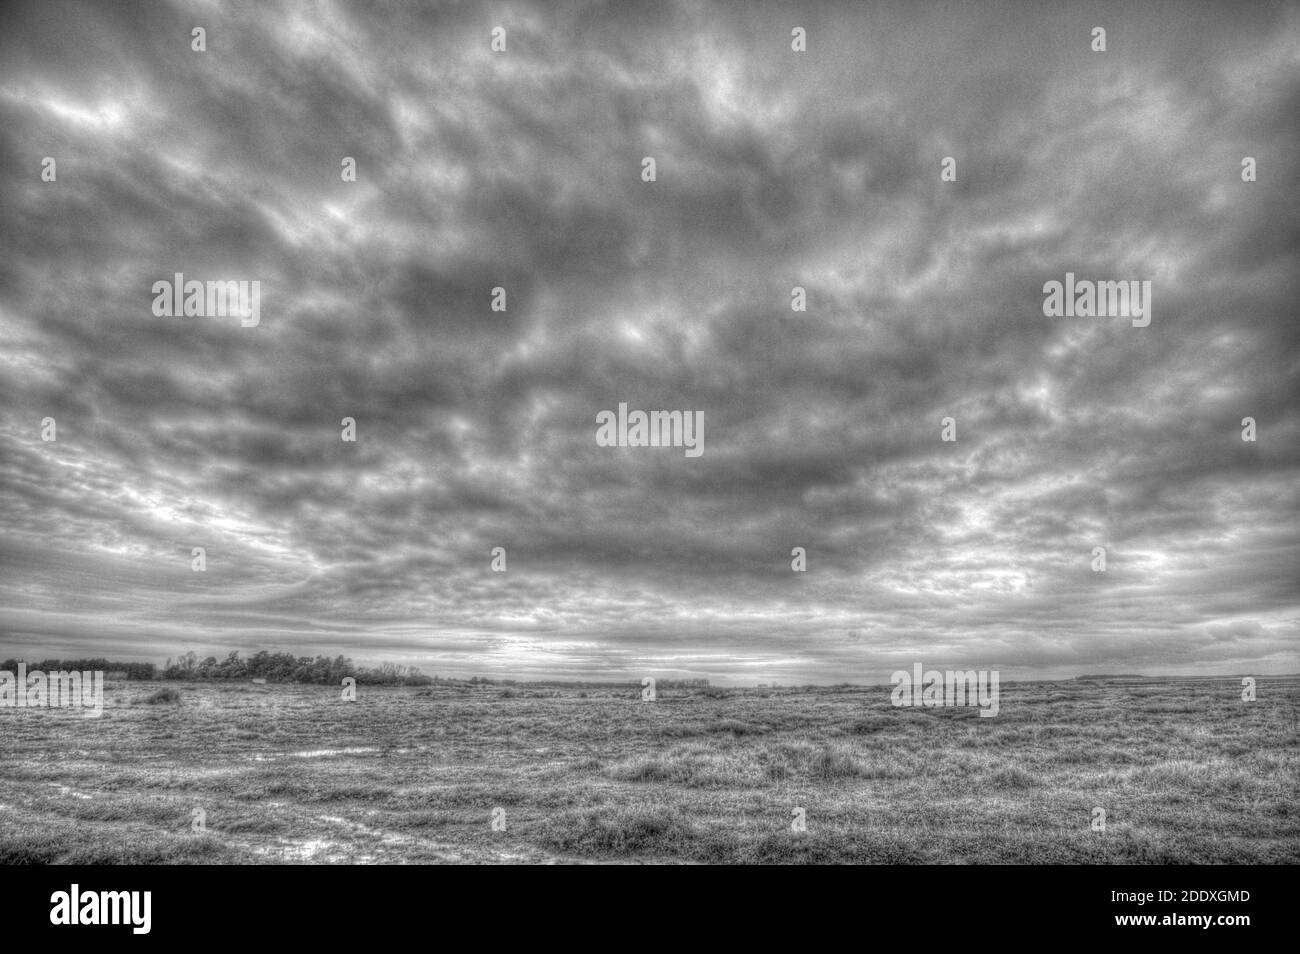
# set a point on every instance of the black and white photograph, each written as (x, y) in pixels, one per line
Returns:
(687, 432)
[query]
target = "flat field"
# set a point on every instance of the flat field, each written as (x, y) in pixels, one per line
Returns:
(1185, 770)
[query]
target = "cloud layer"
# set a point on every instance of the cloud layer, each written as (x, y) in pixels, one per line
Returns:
(522, 169)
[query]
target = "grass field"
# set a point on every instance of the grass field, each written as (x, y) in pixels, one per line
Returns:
(1185, 770)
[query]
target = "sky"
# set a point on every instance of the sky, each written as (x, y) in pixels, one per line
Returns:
(774, 168)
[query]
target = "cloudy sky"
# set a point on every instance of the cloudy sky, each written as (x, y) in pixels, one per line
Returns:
(476, 429)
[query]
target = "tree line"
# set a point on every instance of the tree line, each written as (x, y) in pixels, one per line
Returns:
(132, 670)
(285, 667)
(273, 667)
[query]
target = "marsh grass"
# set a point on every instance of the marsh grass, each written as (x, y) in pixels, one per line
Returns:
(1186, 771)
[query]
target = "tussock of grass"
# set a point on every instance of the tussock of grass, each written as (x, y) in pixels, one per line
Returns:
(736, 727)
(64, 847)
(870, 725)
(643, 770)
(834, 763)
(1012, 777)
(254, 825)
(163, 697)
(1215, 778)
(825, 763)
(640, 831)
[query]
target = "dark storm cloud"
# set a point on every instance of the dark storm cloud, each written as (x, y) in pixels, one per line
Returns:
(822, 428)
